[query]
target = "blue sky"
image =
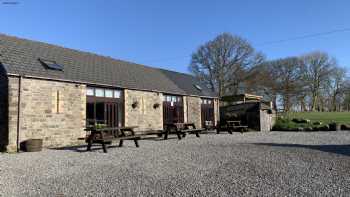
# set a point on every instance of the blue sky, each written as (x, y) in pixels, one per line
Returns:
(165, 33)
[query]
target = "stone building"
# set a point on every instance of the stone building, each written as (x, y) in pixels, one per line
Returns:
(52, 93)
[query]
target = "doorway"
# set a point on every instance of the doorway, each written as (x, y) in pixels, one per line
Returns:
(207, 111)
(173, 111)
(104, 106)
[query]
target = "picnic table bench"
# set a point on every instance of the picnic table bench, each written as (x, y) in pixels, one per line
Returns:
(181, 129)
(105, 136)
(232, 125)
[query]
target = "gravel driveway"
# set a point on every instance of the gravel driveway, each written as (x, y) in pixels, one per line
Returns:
(250, 164)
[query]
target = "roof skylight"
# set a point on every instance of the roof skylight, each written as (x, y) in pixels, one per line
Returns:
(51, 64)
(198, 87)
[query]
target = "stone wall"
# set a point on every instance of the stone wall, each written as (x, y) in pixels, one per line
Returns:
(184, 99)
(3, 110)
(193, 108)
(144, 115)
(266, 120)
(56, 111)
(12, 113)
(52, 111)
(216, 111)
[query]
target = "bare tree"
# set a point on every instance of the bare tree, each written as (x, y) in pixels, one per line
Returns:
(223, 63)
(317, 67)
(282, 78)
(261, 81)
(288, 79)
(346, 100)
(336, 87)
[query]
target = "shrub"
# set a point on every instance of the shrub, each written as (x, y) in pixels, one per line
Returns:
(321, 128)
(345, 127)
(300, 120)
(285, 124)
(308, 129)
(317, 123)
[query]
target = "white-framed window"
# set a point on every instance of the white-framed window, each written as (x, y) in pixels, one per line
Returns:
(117, 93)
(102, 92)
(90, 92)
(99, 92)
(172, 98)
(108, 93)
(207, 101)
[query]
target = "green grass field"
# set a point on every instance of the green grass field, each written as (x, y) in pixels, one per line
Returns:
(325, 117)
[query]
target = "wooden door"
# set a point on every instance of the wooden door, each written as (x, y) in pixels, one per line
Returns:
(172, 113)
(113, 113)
(207, 113)
(110, 114)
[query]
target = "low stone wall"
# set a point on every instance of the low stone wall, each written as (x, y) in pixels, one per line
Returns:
(145, 116)
(52, 111)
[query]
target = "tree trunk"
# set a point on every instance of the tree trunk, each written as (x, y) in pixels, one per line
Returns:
(274, 102)
(286, 103)
(302, 104)
(314, 101)
(334, 104)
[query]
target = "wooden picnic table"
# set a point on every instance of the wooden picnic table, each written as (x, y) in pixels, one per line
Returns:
(106, 135)
(233, 125)
(181, 129)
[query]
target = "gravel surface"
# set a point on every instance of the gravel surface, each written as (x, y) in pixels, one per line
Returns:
(250, 164)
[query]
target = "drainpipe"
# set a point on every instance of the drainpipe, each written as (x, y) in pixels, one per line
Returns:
(187, 109)
(19, 110)
(217, 110)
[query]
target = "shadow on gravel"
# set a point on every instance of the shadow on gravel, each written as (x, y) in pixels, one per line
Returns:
(159, 138)
(82, 148)
(94, 147)
(338, 149)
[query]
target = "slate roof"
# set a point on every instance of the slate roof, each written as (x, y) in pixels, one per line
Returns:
(188, 83)
(20, 56)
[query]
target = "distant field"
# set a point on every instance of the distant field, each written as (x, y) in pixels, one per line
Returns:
(325, 117)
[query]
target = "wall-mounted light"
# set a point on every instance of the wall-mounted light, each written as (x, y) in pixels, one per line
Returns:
(135, 104)
(156, 105)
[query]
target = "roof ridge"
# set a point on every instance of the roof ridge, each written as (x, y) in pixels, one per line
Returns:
(187, 74)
